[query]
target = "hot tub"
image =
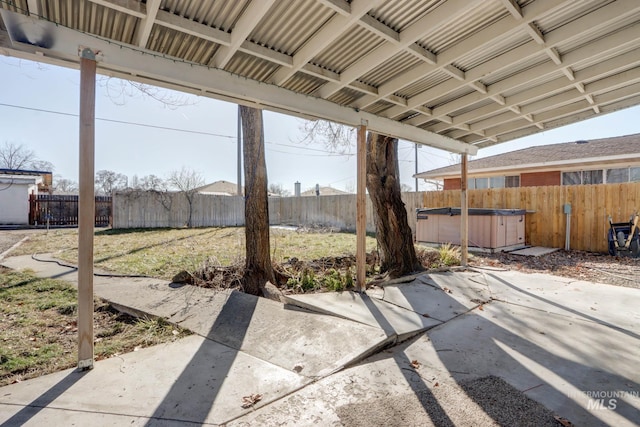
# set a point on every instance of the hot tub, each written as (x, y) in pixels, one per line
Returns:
(490, 229)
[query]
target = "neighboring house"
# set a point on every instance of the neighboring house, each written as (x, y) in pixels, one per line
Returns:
(220, 188)
(15, 188)
(323, 191)
(597, 161)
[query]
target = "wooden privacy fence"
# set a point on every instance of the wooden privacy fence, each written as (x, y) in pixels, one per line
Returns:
(545, 225)
(62, 210)
(157, 209)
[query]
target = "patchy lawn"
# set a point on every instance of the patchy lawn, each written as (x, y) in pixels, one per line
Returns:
(38, 328)
(164, 252)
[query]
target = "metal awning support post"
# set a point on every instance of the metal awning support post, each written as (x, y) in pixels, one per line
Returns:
(464, 214)
(361, 208)
(86, 208)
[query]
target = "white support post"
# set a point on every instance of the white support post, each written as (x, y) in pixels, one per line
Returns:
(86, 208)
(464, 214)
(361, 208)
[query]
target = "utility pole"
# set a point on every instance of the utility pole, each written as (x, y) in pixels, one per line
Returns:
(416, 150)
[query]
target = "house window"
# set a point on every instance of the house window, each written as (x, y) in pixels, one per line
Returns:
(512, 181)
(482, 183)
(571, 178)
(582, 177)
(634, 174)
(496, 182)
(617, 175)
(471, 184)
(592, 177)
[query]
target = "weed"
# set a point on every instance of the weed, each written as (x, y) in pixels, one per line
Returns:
(449, 254)
(307, 281)
(333, 280)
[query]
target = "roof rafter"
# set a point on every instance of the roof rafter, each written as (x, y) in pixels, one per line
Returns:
(579, 27)
(330, 32)
(144, 29)
(430, 23)
(619, 96)
(482, 38)
(245, 25)
(596, 71)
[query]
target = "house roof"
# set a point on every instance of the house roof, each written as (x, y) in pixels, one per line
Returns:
(221, 187)
(324, 191)
(23, 172)
(453, 74)
(21, 179)
(622, 149)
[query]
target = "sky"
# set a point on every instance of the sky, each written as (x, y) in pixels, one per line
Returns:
(138, 135)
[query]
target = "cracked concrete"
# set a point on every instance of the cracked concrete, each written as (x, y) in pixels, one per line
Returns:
(477, 348)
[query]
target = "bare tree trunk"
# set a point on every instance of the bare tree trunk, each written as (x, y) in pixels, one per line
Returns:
(394, 236)
(258, 268)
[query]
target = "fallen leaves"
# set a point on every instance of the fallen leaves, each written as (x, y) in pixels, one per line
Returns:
(447, 290)
(249, 401)
(415, 364)
(565, 422)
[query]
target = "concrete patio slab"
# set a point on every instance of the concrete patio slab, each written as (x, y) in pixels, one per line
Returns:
(569, 297)
(387, 390)
(539, 340)
(551, 358)
(534, 251)
(441, 296)
(311, 344)
(394, 320)
(193, 380)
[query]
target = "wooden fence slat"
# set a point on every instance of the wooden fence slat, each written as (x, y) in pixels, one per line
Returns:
(545, 223)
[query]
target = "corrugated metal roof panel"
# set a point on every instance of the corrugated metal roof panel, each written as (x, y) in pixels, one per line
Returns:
(91, 18)
(289, 24)
(478, 57)
(540, 80)
(251, 67)
(345, 96)
(451, 96)
(464, 27)
(390, 69)
(222, 15)
(303, 83)
(378, 107)
(514, 69)
(400, 14)
(570, 12)
(347, 49)
(180, 45)
(426, 83)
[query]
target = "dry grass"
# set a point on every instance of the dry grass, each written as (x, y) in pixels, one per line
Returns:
(164, 252)
(38, 328)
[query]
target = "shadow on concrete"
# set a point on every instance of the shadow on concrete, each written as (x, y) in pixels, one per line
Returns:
(495, 350)
(192, 396)
(565, 308)
(417, 384)
(44, 400)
